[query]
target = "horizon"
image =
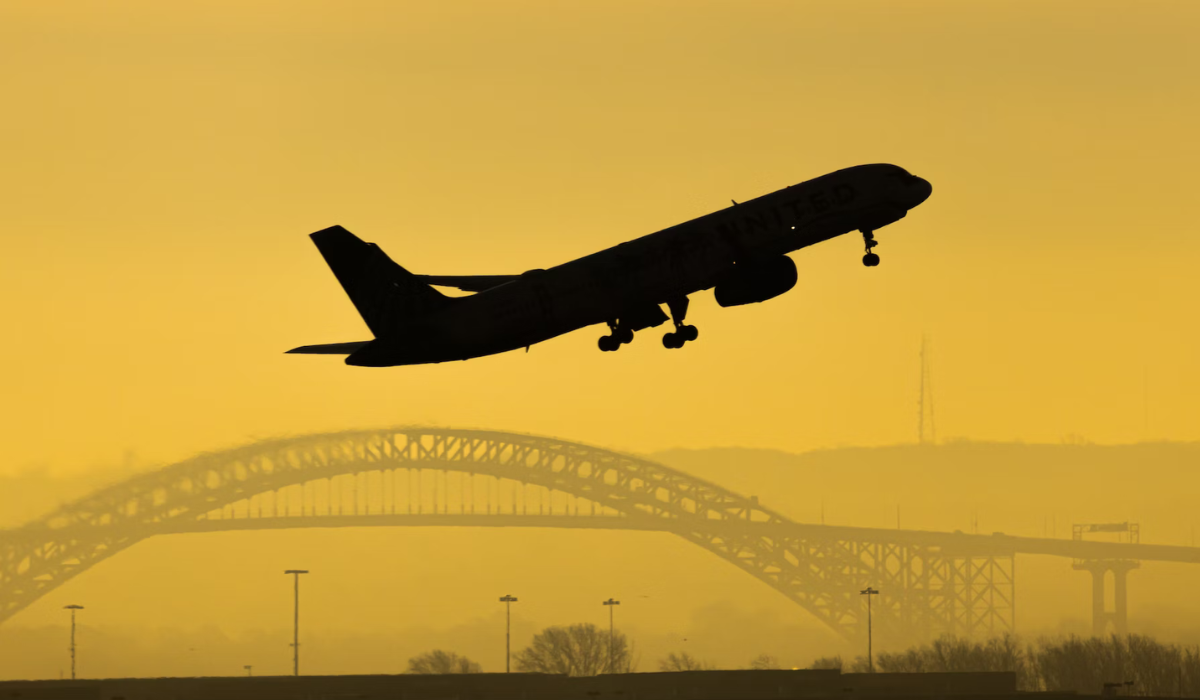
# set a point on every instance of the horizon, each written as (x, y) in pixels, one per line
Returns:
(135, 463)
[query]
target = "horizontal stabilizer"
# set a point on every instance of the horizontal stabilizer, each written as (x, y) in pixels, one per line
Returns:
(467, 283)
(328, 349)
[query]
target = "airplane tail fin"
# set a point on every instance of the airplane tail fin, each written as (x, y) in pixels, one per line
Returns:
(386, 295)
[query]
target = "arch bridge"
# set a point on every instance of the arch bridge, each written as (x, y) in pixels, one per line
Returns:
(931, 583)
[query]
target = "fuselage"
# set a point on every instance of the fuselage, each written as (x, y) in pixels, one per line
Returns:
(670, 264)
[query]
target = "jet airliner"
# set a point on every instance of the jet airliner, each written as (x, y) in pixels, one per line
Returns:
(740, 252)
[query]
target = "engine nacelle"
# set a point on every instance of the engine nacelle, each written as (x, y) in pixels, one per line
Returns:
(755, 282)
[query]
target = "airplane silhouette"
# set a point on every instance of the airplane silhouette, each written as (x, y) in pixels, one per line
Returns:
(740, 252)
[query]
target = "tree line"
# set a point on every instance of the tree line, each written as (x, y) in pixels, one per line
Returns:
(572, 650)
(1139, 664)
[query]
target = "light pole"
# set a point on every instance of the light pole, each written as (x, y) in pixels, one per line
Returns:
(508, 600)
(296, 631)
(611, 639)
(870, 658)
(72, 608)
(249, 670)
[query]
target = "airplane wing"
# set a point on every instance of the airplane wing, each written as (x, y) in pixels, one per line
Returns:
(467, 283)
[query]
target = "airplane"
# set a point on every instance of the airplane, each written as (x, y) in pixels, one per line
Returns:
(741, 252)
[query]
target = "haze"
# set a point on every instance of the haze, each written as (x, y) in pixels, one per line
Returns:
(163, 164)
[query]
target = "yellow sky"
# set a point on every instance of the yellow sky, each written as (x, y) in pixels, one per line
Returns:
(162, 163)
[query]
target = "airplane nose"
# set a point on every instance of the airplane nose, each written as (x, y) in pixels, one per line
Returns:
(919, 190)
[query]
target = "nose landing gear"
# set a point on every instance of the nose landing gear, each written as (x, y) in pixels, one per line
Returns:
(870, 259)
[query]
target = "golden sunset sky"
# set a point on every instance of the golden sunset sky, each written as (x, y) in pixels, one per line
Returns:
(161, 165)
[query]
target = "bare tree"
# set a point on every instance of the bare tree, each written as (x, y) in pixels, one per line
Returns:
(441, 662)
(684, 661)
(1056, 664)
(827, 663)
(765, 662)
(577, 650)
(1086, 664)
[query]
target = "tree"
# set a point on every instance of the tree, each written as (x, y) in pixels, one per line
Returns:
(950, 654)
(577, 650)
(684, 661)
(827, 663)
(1086, 664)
(764, 662)
(1055, 664)
(442, 662)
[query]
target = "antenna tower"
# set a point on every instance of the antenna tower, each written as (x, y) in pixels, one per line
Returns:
(926, 428)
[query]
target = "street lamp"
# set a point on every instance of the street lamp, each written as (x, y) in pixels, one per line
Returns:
(508, 600)
(296, 632)
(870, 659)
(249, 670)
(72, 608)
(611, 639)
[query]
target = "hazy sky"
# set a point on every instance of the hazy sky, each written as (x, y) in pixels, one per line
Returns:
(162, 163)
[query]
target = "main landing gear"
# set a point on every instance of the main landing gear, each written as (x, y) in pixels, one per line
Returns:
(618, 335)
(870, 259)
(682, 333)
(621, 332)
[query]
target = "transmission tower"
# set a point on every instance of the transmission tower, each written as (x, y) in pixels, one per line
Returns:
(926, 428)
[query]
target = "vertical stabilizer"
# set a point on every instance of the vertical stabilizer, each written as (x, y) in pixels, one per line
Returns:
(386, 295)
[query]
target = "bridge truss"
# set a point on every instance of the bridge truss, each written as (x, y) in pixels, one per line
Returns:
(930, 583)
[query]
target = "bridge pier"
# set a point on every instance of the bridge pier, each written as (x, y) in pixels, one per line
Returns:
(1102, 617)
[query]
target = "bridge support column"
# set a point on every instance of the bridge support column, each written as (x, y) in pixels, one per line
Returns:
(1121, 599)
(1099, 617)
(1102, 618)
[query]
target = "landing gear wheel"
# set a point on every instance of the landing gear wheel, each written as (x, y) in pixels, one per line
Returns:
(623, 335)
(682, 333)
(870, 260)
(608, 343)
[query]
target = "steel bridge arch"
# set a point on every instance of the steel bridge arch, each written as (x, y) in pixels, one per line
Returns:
(811, 565)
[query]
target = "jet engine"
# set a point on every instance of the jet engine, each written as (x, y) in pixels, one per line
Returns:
(750, 283)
